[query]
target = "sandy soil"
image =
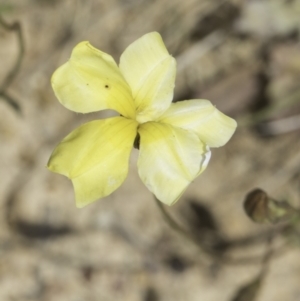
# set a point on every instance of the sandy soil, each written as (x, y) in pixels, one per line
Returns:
(244, 56)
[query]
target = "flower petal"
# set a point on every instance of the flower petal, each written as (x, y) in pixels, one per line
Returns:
(200, 116)
(170, 159)
(95, 157)
(150, 72)
(91, 81)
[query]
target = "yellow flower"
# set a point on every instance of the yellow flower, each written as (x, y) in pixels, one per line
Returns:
(174, 138)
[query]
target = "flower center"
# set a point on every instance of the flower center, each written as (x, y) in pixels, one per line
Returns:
(142, 118)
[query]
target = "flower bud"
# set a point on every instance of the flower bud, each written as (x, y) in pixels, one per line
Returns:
(263, 209)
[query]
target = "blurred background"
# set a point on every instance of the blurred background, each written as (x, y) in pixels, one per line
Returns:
(244, 56)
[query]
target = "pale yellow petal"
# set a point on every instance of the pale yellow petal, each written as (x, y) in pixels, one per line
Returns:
(95, 157)
(198, 115)
(170, 159)
(150, 72)
(91, 81)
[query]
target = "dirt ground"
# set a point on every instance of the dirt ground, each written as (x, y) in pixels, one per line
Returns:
(244, 56)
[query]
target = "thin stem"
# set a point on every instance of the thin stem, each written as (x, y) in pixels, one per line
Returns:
(174, 225)
(217, 256)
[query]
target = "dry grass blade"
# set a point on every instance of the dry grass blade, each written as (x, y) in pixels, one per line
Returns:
(16, 26)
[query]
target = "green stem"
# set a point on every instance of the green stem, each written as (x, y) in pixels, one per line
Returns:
(175, 226)
(216, 256)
